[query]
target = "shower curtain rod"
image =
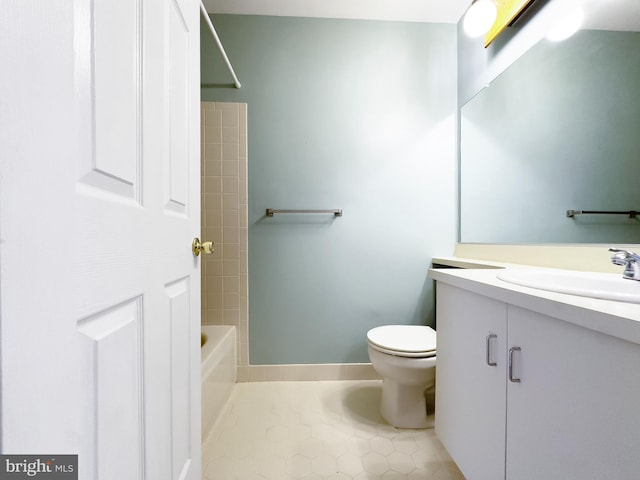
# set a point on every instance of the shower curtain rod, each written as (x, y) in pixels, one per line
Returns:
(220, 47)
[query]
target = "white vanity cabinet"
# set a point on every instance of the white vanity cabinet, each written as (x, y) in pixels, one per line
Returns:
(573, 414)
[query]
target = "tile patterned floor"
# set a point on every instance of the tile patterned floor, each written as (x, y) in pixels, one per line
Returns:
(318, 430)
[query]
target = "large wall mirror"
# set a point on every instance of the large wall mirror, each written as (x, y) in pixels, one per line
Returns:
(558, 130)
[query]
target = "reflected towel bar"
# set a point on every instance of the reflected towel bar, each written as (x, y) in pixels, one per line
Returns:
(271, 212)
(573, 213)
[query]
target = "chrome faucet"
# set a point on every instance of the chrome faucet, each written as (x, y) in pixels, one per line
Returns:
(630, 262)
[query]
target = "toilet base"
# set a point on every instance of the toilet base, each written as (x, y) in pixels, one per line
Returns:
(404, 406)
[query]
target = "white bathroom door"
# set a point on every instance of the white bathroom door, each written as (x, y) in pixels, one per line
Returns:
(100, 201)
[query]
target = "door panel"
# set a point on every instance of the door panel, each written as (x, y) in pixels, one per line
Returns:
(179, 86)
(102, 318)
(470, 394)
(178, 294)
(573, 416)
(115, 161)
(116, 364)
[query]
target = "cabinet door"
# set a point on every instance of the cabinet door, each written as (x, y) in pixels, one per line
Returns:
(574, 414)
(470, 394)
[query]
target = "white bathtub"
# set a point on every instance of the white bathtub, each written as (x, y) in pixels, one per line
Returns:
(218, 372)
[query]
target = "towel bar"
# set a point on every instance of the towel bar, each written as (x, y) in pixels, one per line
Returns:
(270, 212)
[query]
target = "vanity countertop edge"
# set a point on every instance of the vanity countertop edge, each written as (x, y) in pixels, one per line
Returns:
(618, 319)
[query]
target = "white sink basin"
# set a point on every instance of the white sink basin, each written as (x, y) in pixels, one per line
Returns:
(608, 286)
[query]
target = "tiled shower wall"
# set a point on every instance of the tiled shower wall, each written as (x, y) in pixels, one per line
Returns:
(224, 221)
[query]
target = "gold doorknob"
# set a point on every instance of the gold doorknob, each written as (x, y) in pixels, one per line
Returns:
(204, 247)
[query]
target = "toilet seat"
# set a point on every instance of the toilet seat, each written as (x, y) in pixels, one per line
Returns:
(415, 341)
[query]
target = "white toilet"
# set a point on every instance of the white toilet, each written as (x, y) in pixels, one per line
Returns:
(405, 358)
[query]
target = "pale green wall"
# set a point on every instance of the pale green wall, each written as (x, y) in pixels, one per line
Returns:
(357, 115)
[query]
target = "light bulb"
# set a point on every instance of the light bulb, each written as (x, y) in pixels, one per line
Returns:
(480, 17)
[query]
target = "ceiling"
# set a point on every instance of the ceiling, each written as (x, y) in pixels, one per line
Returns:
(429, 11)
(601, 14)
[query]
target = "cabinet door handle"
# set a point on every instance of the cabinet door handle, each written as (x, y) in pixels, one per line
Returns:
(489, 362)
(511, 378)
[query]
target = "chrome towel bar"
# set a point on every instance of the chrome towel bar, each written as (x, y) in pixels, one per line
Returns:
(270, 212)
(573, 213)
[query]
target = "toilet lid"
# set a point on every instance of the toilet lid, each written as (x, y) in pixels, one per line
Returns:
(404, 340)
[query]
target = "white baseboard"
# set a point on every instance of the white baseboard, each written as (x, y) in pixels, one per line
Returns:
(331, 371)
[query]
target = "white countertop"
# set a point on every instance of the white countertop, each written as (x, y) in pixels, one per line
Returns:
(618, 319)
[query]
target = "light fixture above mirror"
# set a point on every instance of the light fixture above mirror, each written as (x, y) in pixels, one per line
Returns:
(491, 17)
(480, 17)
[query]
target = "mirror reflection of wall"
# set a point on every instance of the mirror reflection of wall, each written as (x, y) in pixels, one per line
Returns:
(558, 130)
